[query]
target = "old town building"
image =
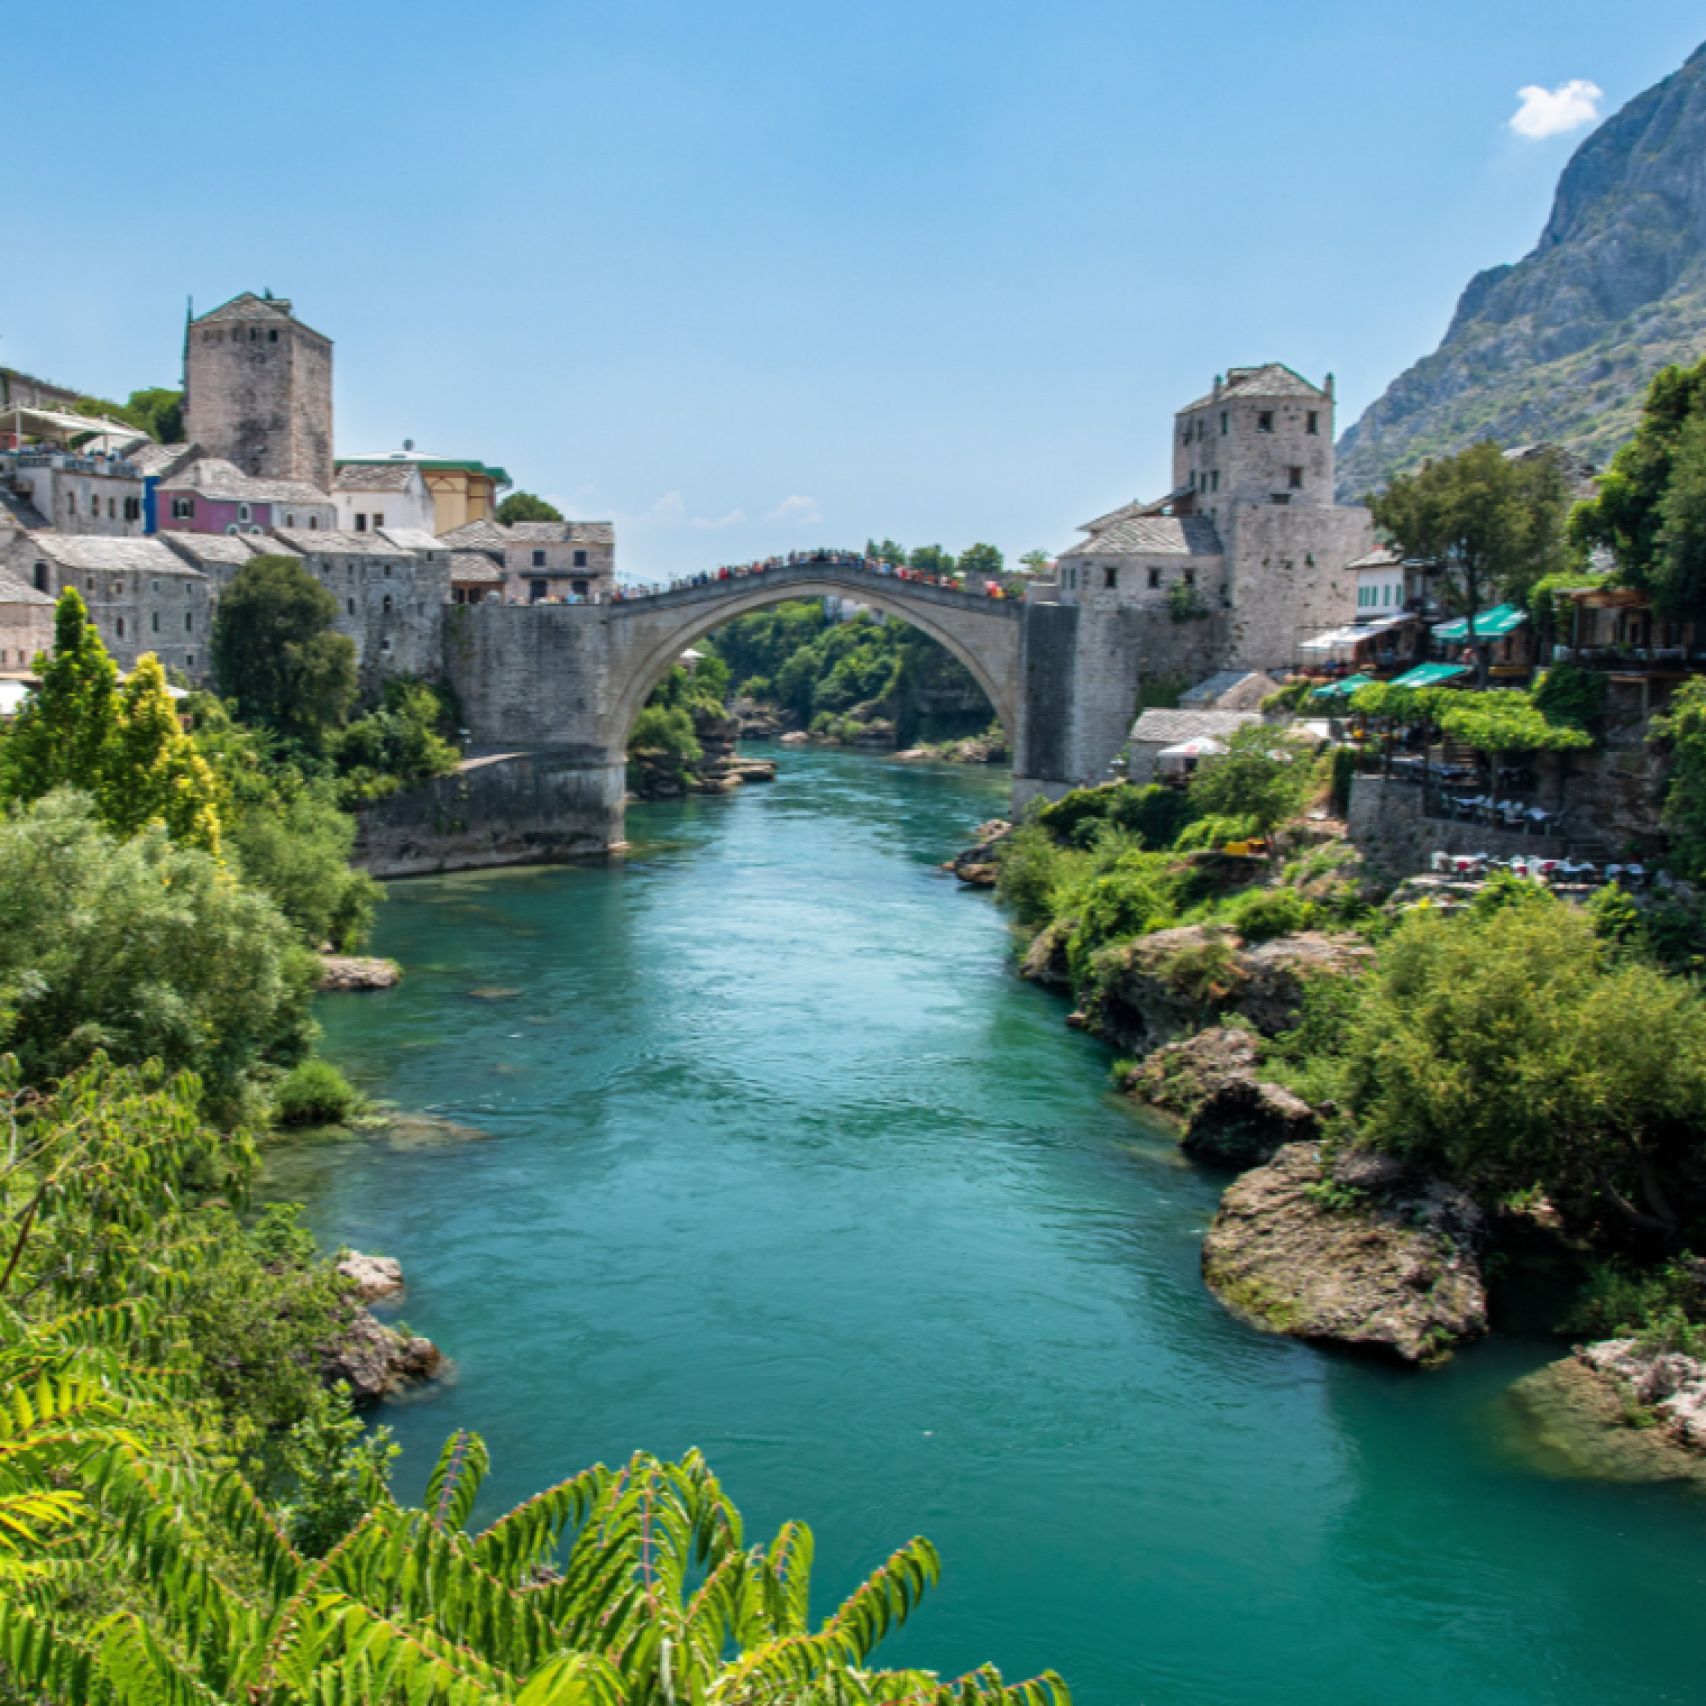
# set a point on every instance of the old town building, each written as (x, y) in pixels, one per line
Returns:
(462, 489)
(544, 562)
(26, 625)
(211, 495)
(373, 495)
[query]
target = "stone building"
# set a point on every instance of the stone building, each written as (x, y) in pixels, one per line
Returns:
(1243, 560)
(544, 562)
(54, 474)
(373, 495)
(258, 390)
(220, 555)
(24, 390)
(211, 495)
(391, 598)
(26, 625)
(462, 489)
(142, 596)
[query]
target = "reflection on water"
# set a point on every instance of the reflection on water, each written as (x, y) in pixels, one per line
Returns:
(781, 1160)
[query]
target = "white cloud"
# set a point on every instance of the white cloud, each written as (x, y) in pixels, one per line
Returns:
(796, 512)
(1556, 112)
(711, 523)
(669, 509)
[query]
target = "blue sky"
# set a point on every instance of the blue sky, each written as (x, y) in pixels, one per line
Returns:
(761, 275)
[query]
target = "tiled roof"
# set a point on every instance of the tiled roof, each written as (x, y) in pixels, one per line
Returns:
(1271, 379)
(19, 512)
(17, 592)
(482, 535)
(1381, 557)
(1152, 536)
(235, 548)
(214, 477)
(412, 539)
(331, 541)
(474, 566)
(94, 551)
(162, 460)
(373, 477)
(1168, 728)
(563, 533)
(247, 306)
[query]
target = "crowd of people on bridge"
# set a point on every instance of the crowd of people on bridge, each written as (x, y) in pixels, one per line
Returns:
(979, 587)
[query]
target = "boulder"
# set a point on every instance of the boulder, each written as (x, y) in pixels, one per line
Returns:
(1178, 1078)
(344, 972)
(1045, 959)
(977, 865)
(371, 1277)
(374, 1360)
(795, 737)
(1246, 1122)
(1177, 982)
(1365, 1254)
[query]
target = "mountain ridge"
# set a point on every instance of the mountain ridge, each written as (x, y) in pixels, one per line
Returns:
(1560, 345)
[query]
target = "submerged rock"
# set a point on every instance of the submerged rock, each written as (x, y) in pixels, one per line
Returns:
(1366, 1255)
(340, 973)
(371, 1277)
(1668, 1385)
(795, 737)
(1581, 1419)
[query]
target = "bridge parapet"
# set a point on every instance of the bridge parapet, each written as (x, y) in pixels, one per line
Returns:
(854, 577)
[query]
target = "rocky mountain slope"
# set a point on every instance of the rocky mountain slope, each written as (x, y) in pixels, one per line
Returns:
(1560, 345)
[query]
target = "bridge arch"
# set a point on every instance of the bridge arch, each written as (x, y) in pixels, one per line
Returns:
(981, 634)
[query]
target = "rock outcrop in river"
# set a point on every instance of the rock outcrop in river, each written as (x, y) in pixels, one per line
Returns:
(369, 1357)
(1360, 1252)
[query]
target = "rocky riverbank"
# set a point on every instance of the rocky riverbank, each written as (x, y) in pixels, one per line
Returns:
(345, 972)
(373, 1359)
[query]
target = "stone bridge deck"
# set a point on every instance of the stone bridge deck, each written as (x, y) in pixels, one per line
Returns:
(851, 577)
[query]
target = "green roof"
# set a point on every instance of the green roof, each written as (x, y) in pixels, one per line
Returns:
(1491, 624)
(1429, 674)
(1342, 689)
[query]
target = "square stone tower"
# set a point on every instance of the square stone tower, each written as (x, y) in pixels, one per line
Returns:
(258, 390)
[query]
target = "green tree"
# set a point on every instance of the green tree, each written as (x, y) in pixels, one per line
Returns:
(526, 506)
(295, 849)
(1038, 562)
(1650, 511)
(1682, 727)
(1493, 524)
(932, 560)
(143, 949)
(402, 741)
(156, 775)
(1515, 1048)
(63, 736)
(885, 550)
(1264, 775)
(277, 654)
(156, 411)
(983, 560)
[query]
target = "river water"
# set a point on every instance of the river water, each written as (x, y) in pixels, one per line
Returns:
(782, 1160)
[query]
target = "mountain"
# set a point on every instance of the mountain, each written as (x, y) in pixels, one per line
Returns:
(1561, 345)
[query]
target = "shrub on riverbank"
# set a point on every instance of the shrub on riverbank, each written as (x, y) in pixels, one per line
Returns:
(314, 1092)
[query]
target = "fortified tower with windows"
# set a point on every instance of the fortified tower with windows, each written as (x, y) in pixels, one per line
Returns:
(258, 390)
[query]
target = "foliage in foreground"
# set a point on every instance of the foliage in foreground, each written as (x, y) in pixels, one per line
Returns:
(141, 1561)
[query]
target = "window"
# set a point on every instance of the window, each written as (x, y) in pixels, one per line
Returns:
(1110, 578)
(1154, 580)
(244, 513)
(232, 528)
(183, 509)
(313, 521)
(117, 590)
(133, 509)
(580, 559)
(272, 337)
(1296, 475)
(290, 521)
(350, 604)
(41, 577)
(153, 586)
(1281, 498)
(112, 509)
(190, 661)
(1313, 424)
(379, 518)
(121, 627)
(1190, 577)
(1225, 423)
(154, 622)
(1214, 481)
(539, 559)
(361, 524)
(536, 590)
(579, 588)
(189, 621)
(1265, 421)
(70, 503)
(385, 605)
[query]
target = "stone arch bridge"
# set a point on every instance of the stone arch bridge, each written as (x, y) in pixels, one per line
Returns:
(550, 692)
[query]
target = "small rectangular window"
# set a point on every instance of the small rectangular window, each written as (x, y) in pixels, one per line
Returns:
(1297, 479)
(1190, 577)
(361, 523)
(539, 559)
(1265, 421)
(1225, 423)
(378, 518)
(580, 559)
(1314, 422)
(1214, 481)
(1154, 579)
(1111, 578)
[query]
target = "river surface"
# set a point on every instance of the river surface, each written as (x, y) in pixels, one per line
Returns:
(783, 1161)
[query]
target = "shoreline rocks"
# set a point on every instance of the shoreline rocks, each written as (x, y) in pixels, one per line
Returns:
(371, 1277)
(372, 1359)
(1366, 1255)
(342, 973)
(1581, 1420)
(1668, 1386)
(976, 865)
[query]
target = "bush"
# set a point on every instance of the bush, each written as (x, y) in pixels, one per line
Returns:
(1134, 898)
(1209, 834)
(314, 1092)
(296, 850)
(1567, 694)
(1262, 914)
(1618, 1300)
(401, 742)
(1265, 775)
(1155, 815)
(1030, 867)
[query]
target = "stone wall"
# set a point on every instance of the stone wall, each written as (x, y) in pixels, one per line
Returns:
(1287, 578)
(1387, 825)
(26, 626)
(529, 808)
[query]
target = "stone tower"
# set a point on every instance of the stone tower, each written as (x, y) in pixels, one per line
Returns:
(258, 390)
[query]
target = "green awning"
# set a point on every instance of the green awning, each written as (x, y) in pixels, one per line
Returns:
(1341, 689)
(1429, 674)
(1491, 624)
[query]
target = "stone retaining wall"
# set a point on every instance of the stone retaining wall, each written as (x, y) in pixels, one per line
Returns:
(1388, 826)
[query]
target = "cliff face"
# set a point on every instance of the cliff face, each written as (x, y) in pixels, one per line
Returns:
(1561, 345)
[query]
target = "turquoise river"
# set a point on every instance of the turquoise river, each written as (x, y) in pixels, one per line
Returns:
(782, 1160)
